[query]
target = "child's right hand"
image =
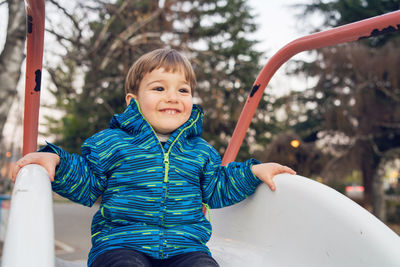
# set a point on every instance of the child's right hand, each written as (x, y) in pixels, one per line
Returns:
(266, 172)
(49, 161)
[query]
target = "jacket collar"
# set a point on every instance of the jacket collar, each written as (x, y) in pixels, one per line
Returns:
(133, 122)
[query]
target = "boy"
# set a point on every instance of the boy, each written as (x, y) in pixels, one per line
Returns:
(153, 171)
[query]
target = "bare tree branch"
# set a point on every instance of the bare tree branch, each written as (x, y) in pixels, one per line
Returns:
(125, 35)
(387, 92)
(74, 39)
(134, 41)
(71, 17)
(107, 26)
(85, 4)
(138, 39)
(60, 36)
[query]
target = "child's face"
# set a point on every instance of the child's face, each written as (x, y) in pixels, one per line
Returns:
(165, 99)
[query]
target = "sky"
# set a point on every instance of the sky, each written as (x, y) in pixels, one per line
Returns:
(276, 21)
(279, 25)
(3, 25)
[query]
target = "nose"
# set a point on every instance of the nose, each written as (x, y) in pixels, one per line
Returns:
(171, 95)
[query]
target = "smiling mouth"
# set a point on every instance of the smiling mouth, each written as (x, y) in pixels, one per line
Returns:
(170, 111)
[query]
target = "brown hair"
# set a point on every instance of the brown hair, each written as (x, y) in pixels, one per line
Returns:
(168, 59)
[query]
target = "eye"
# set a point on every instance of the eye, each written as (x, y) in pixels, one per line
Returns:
(158, 88)
(184, 90)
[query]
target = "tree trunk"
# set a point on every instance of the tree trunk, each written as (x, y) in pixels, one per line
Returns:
(11, 58)
(378, 196)
(373, 183)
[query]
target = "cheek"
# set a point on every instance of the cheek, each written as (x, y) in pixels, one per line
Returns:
(147, 107)
(188, 108)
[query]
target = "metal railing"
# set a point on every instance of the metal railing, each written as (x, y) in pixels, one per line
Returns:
(389, 22)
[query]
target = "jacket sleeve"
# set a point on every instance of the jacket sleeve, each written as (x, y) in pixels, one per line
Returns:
(226, 185)
(78, 178)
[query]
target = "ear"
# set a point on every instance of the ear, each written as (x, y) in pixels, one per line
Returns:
(129, 97)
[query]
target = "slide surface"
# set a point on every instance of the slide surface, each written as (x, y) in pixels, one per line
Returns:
(302, 223)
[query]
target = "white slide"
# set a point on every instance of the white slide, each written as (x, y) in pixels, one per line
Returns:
(302, 223)
(29, 238)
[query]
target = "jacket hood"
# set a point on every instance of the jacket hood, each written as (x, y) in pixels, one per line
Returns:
(133, 122)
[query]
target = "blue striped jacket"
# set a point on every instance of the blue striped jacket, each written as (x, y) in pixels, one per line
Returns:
(152, 195)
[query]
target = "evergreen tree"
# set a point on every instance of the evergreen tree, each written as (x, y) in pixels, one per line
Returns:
(226, 66)
(120, 33)
(214, 36)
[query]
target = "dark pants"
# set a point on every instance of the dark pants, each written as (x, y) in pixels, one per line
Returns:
(132, 258)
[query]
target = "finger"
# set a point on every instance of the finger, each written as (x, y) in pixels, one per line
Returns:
(27, 159)
(51, 173)
(17, 168)
(289, 170)
(14, 174)
(270, 183)
(286, 169)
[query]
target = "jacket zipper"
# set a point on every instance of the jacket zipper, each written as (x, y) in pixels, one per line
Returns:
(166, 159)
(166, 164)
(166, 155)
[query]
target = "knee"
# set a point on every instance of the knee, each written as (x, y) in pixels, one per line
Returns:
(122, 258)
(205, 263)
(131, 262)
(203, 260)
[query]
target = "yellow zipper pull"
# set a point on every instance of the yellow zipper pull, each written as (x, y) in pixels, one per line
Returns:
(166, 162)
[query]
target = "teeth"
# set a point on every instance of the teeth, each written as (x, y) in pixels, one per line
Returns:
(170, 111)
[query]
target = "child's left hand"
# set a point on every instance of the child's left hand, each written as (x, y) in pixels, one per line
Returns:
(266, 171)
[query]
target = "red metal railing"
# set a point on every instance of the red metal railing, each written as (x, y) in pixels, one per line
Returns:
(34, 57)
(347, 33)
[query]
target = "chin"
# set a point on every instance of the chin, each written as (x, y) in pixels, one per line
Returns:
(168, 130)
(165, 130)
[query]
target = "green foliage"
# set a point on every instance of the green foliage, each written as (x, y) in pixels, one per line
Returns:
(226, 67)
(214, 36)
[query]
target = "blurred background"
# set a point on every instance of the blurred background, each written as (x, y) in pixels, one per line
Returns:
(331, 114)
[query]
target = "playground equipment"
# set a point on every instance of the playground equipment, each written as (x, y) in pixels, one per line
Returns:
(29, 239)
(34, 56)
(303, 223)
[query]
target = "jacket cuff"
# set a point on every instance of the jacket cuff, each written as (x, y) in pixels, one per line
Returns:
(250, 177)
(62, 168)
